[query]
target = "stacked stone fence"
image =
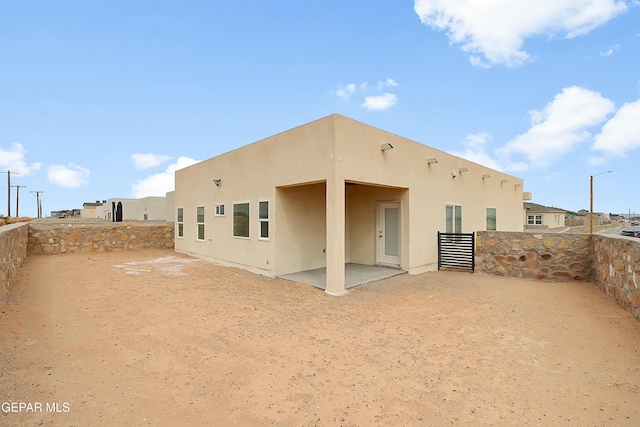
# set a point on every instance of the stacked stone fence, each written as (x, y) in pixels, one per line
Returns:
(611, 262)
(13, 251)
(616, 270)
(53, 236)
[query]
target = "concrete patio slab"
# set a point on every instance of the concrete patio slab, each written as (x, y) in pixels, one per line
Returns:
(355, 275)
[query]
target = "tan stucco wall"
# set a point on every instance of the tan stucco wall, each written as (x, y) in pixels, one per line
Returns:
(304, 153)
(170, 200)
(362, 222)
(247, 175)
(309, 166)
(301, 224)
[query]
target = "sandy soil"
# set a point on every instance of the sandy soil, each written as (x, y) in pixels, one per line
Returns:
(157, 338)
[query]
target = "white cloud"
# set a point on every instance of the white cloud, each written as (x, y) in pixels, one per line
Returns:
(596, 161)
(610, 51)
(622, 133)
(347, 91)
(160, 183)
(14, 160)
(475, 151)
(380, 102)
(148, 160)
(494, 31)
(560, 127)
(387, 83)
(70, 176)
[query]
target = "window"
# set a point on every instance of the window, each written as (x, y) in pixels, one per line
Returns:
(180, 222)
(454, 218)
(241, 219)
(200, 222)
(146, 217)
(534, 219)
(263, 218)
(491, 219)
(220, 210)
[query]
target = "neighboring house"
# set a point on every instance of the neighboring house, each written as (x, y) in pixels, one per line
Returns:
(539, 216)
(336, 191)
(599, 218)
(146, 208)
(90, 209)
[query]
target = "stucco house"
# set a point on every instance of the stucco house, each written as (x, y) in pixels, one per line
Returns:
(540, 216)
(144, 209)
(332, 192)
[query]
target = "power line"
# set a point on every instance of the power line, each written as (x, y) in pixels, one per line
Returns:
(18, 187)
(8, 172)
(39, 202)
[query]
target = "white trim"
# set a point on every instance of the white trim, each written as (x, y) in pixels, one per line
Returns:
(486, 217)
(178, 236)
(379, 260)
(268, 220)
(217, 209)
(454, 218)
(203, 223)
(233, 213)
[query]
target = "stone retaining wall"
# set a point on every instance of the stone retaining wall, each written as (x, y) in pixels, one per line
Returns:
(52, 236)
(541, 256)
(13, 251)
(617, 270)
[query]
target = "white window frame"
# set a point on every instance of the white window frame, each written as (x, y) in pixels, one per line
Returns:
(198, 224)
(452, 229)
(264, 220)
(220, 209)
(233, 222)
(533, 220)
(495, 211)
(180, 229)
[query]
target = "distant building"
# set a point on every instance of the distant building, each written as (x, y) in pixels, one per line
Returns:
(145, 209)
(90, 209)
(539, 216)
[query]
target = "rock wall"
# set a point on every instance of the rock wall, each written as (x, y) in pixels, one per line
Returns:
(53, 236)
(617, 270)
(13, 251)
(541, 256)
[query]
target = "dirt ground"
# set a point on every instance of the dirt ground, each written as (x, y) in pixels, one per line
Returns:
(153, 337)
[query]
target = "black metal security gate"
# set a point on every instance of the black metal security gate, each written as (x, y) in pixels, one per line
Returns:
(456, 251)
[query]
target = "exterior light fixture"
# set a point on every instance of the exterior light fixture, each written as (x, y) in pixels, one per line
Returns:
(217, 182)
(463, 169)
(504, 181)
(453, 174)
(432, 160)
(517, 185)
(386, 146)
(486, 175)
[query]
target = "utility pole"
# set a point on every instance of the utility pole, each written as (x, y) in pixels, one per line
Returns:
(8, 172)
(37, 193)
(18, 187)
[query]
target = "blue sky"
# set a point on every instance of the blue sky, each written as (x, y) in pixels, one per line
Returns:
(106, 99)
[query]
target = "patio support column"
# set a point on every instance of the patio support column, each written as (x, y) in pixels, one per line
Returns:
(335, 206)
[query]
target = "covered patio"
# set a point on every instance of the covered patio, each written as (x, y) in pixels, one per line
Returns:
(354, 275)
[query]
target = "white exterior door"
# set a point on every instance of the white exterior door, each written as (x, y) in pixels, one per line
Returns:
(389, 219)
